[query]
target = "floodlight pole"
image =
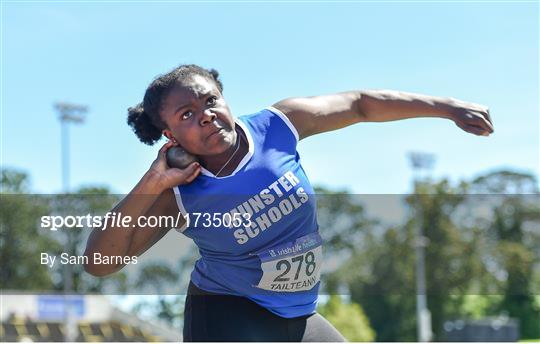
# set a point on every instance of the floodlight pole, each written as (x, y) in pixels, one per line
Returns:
(65, 155)
(68, 113)
(419, 162)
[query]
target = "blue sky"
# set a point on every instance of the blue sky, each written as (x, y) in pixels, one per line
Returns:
(104, 54)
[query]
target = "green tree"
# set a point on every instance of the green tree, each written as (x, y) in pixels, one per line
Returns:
(93, 201)
(380, 273)
(373, 263)
(166, 283)
(20, 235)
(451, 255)
(22, 240)
(348, 318)
(381, 279)
(156, 278)
(342, 220)
(515, 242)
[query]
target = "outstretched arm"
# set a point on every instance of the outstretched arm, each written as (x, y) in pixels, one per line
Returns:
(314, 115)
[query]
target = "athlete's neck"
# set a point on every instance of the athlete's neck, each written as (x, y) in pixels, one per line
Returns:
(239, 149)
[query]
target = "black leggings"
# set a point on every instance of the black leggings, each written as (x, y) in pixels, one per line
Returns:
(210, 317)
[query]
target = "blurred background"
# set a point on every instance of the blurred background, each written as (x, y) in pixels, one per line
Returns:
(430, 233)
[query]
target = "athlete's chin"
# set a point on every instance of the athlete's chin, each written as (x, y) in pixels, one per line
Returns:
(221, 141)
(217, 148)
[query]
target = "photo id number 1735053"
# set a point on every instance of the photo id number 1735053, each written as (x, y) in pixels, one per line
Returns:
(213, 220)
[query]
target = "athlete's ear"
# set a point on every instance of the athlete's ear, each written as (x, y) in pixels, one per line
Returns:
(168, 134)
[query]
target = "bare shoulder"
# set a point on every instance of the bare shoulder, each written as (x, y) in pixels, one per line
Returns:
(298, 106)
(318, 114)
(299, 111)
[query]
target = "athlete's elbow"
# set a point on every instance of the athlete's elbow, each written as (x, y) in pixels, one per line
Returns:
(99, 270)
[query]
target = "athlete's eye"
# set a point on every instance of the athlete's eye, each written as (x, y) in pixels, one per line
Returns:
(187, 114)
(211, 101)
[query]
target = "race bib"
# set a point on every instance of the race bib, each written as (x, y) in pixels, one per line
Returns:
(295, 266)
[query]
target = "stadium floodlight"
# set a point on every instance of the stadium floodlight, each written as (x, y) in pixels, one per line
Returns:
(68, 113)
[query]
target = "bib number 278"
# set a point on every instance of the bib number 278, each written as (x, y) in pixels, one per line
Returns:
(286, 265)
(292, 267)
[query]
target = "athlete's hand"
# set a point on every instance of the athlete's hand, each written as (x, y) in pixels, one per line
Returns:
(167, 177)
(472, 118)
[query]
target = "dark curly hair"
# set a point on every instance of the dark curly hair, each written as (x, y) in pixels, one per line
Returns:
(144, 118)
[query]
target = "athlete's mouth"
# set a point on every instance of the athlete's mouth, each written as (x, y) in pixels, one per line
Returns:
(216, 132)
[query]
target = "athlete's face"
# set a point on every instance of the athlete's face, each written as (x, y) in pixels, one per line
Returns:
(198, 117)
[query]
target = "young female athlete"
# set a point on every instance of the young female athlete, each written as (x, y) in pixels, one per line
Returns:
(250, 207)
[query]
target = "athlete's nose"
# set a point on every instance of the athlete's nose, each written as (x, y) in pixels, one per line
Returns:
(207, 117)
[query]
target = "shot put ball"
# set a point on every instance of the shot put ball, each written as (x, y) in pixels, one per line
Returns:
(179, 158)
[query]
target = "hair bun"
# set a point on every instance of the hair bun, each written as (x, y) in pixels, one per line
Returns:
(142, 125)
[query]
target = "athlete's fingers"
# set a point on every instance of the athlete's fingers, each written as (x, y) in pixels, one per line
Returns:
(164, 148)
(473, 118)
(161, 160)
(482, 120)
(488, 117)
(473, 129)
(195, 169)
(193, 176)
(478, 125)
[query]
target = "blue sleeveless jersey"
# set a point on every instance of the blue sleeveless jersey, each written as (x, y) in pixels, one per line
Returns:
(256, 229)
